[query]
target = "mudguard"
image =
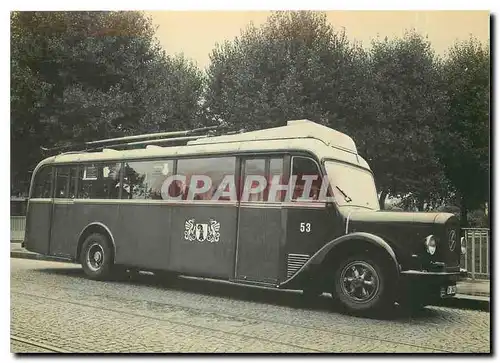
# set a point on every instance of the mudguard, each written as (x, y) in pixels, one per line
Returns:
(319, 256)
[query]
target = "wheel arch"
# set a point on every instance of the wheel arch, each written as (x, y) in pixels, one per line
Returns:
(95, 227)
(339, 246)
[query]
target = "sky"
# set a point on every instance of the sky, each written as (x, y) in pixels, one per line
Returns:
(195, 33)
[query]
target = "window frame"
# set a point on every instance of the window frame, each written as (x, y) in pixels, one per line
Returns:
(267, 157)
(34, 183)
(57, 167)
(81, 165)
(171, 160)
(235, 158)
(353, 166)
(321, 173)
(286, 156)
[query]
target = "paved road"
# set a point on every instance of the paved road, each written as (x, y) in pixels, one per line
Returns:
(54, 308)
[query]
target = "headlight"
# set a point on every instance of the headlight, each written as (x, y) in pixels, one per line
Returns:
(463, 246)
(430, 244)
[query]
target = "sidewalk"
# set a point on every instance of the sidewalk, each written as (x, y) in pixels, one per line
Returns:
(469, 292)
(474, 287)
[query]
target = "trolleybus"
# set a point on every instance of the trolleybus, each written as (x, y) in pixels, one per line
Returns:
(291, 207)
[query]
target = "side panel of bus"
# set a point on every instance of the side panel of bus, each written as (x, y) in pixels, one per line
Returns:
(142, 235)
(203, 239)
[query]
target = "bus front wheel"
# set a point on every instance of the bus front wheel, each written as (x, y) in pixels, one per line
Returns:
(96, 257)
(361, 284)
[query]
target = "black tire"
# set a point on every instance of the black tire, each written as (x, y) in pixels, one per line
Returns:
(96, 257)
(362, 284)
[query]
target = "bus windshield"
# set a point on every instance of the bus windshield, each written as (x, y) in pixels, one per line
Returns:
(351, 185)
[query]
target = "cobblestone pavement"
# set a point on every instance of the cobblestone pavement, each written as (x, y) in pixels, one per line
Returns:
(53, 305)
(22, 347)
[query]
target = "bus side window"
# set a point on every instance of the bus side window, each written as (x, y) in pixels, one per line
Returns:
(65, 182)
(215, 169)
(254, 168)
(87, 178)
(160, 170)
(275, 171)
(270, 168)
(305, 169)
(145, 179)
(110, 180)
(42, 183)
(98, 181)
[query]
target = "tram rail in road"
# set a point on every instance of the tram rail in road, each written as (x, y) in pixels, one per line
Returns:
(33, 343)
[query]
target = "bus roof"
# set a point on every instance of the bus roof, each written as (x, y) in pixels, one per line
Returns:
(296, 129)
(301, 135)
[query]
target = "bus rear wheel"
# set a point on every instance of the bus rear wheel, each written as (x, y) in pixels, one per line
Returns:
(361, 285)
(96, 257)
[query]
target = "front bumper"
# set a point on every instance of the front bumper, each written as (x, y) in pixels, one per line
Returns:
(462, 273)
(431, 284)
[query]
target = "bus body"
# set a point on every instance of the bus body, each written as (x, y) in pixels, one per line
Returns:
(117, 209)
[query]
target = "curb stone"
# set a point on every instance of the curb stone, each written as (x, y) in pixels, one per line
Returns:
(460, 301)
(36, 256)
(469, 302)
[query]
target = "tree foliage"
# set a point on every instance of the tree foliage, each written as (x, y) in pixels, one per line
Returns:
(464, 144)
(294, 66)
(409, 103)
(79, 76)
(389, 99)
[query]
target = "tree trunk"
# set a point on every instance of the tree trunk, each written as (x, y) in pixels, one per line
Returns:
(463, 213)
(381, 200)
(420, 204)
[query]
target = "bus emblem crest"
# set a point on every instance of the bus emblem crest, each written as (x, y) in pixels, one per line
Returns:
(202, 232)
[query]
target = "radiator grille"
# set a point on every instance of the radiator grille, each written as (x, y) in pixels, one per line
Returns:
(295, 262)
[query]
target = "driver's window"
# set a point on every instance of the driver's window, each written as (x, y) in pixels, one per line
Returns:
(307, 173)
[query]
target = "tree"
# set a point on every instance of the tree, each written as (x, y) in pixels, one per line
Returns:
(78, 76)
(389, 99)
(464, 142)
(294, 66)
(407, 108)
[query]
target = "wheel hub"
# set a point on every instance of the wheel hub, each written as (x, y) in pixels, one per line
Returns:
(95, 257)
(359, 281)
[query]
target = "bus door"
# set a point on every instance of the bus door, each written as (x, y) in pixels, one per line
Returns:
(62, 212)
(310, 223)
(260, 222)
(39, 213)
(203, 222)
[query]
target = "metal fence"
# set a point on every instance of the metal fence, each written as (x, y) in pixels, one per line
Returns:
(477, 259)
(17, 226)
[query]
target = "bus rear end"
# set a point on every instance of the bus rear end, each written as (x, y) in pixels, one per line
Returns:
(39, 210)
